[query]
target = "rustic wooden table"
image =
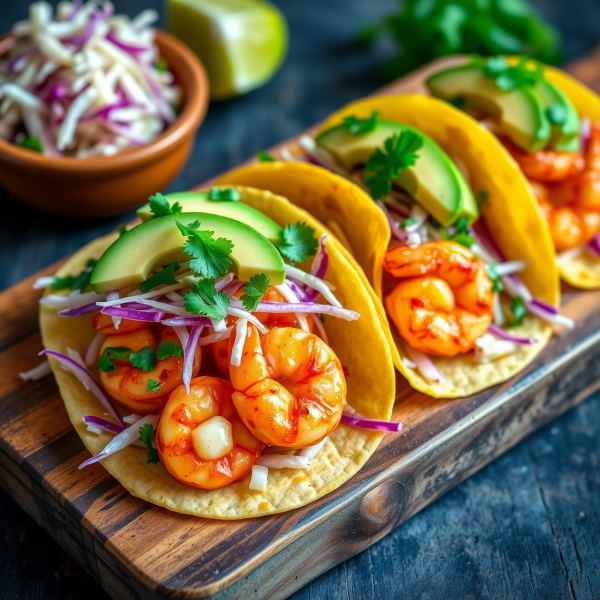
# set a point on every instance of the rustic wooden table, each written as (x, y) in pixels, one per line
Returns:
(524, 527)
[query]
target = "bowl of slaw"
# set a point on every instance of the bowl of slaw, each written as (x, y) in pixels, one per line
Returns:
(76, 178)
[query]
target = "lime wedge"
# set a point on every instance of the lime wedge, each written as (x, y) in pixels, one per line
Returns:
(241, 43)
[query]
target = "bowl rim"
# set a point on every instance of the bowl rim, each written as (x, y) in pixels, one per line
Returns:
(196, 104)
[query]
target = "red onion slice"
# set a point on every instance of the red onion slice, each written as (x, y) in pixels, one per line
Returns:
(103, 424)
(306, 307)
(87, 380)
(188, 355)
(91, 354)
(133, 315)
(187, 321)
(505, 335)
(375, 424)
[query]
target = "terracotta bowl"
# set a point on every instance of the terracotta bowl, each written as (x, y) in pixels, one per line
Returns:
(98, 187)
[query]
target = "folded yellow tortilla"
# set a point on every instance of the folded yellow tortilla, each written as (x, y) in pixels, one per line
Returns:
(360, 345)
(510, 212)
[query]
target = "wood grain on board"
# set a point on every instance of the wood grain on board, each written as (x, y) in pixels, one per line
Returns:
(134, 549)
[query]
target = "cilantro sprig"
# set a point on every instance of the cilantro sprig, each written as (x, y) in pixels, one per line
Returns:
(205, 300)
(398, 154)
(145, 359)
(459, 234)
(210, 256)
(153, 385)
(224, 195)
(105, 362)
(167, 349)
(298, 242)
(427, 29)
(254, 291)
(264, 156)
(519, 310)
(525, 73)
(147, 436)
(361, 126)
(408, 222)
(31, 143)
(78, 282)
(160, 207)
(497, 285)
(164, 277)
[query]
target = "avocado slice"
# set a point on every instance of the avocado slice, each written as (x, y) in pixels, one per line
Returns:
(129, 259)
(565, 136)
(199, 202)
(520, 112)
(434, 181)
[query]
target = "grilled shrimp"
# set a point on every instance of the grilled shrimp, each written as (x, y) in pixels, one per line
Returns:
(201, 440)
(290, 388)
(547, 165)
(104, 324)
(220, 350)
(128, 385)
(446, 301)
(571, 207)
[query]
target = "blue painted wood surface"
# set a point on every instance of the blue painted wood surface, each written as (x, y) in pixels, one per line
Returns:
(527, 526)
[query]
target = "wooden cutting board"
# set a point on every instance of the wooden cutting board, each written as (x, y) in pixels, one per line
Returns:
(137, 550)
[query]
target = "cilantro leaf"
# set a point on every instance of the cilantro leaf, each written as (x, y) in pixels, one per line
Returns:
(31, 143)
(298, 242)
(145, 359)
(254, 291)
(462, 224)
(407, 222)
(153, 385)
(224, 194)
(147, 436)
(205, 300)
(361, 126)
(510, 77)
(482, 196)
(211, 257)
(162, 65)
(82, 281)
(557, 114)
(427, 29)
(62, 283)
(518, 310)
(160, 207)
(464, 240)
(167, 349)
(105, 362)
(264, 156)
(497, 285)
(166, 276)
(122, 229)
(322, 317)
(399, 152)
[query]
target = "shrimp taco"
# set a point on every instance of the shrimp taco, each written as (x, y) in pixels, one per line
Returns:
(225, 337)
(550, 124)
(466, 273)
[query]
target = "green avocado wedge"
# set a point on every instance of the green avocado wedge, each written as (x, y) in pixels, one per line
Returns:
(199, 202)
(565, 131)
(434, 181)
(130, 259)
(520, 112)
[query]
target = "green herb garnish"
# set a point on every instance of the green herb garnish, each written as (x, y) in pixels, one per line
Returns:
(153, 385)
(492, 272)
(264, 156)
(361, 126)
(254, 291)
(518, 310)
(162, 65)
(79, 282)
(407, 222)
(31, 143)
(211, 256)
(510, 77)
(482, 196)
(145, 359)
(105, 362)
(167, 349)
(164, 277)
(205, 300)
(224, 195)
(160, 207)
(399, 152)
(427, 29)
(147, 436)
(322, 317)
(298, 242)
